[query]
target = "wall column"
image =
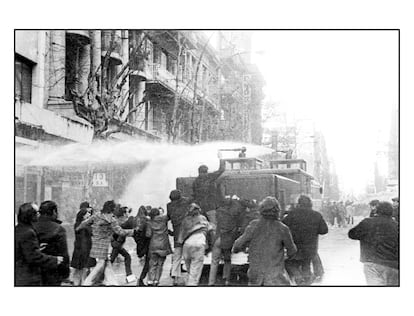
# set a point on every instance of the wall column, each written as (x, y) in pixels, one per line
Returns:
(84, 68)
(139, 115)
(96, 60)
(125, 59)
(39, 77)
(57, 65)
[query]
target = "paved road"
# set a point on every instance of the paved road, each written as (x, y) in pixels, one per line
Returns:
(339, 254)
(340, 257)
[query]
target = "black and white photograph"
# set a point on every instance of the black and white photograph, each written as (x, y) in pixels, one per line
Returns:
(206, 157)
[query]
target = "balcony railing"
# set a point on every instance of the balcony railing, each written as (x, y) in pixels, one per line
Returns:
(233, 90)
(185, 88)
(156, 72)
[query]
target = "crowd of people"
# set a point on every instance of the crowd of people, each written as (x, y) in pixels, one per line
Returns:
(282, 247)
(338, 213)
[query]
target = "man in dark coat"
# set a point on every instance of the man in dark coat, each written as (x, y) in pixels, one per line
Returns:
(176, 211)
(230, 219)
(306, 225)
(378, 237)
(267, 239)
(28, 258)
(205, 191)
(53, 235)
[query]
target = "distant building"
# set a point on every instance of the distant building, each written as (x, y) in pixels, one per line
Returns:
(241, 91)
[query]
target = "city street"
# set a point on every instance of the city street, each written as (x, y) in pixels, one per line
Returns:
(116, 120)
(339, 254)
(340, 257)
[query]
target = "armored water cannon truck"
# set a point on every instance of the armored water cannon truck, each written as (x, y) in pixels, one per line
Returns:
(248, 179)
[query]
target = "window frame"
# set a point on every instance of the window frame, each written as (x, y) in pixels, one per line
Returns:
(20, 64)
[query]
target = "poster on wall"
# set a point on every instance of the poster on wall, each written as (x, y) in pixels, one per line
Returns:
(99, 180)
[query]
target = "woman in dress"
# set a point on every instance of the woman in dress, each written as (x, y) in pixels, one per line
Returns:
(81, 261)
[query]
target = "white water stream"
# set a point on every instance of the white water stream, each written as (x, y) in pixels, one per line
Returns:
(151, 186)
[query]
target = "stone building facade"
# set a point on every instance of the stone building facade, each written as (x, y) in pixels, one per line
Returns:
(179, 88)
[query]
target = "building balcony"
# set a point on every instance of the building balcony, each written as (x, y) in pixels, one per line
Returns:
(44, 123)
(234, 91)
(112, 42)
(158, 74)
(81, 35)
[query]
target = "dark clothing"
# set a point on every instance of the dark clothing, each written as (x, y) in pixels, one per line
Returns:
(122, 251)
(300, 270)
(158, 231)
(317, 266)
(82, 249)
(305, 225)
(251, 214)
(176, 211)
(267, 240)
(142, 242)
(118, 245)
(379, 240)
(140, 237)
(205, 191)
(130, 223)
(230, 218)
(145, 269)
(273, 278)
(28, 257)
(50, 232)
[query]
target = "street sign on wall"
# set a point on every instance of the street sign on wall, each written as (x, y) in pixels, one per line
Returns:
(99, 180)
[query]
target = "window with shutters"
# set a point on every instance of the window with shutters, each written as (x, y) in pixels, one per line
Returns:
(23, 79)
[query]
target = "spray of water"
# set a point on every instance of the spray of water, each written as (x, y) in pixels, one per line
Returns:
(152, 186)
